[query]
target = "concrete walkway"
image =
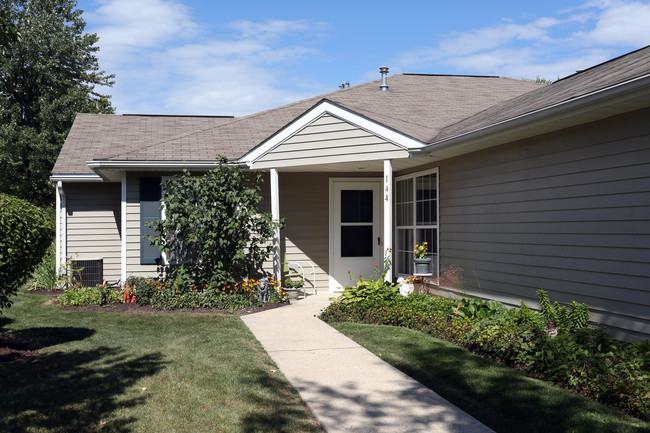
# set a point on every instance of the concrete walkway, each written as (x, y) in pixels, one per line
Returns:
(348, 388)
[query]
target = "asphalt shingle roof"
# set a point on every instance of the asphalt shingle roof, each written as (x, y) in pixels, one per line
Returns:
(428, 108)
(604, 75)
(416, 105)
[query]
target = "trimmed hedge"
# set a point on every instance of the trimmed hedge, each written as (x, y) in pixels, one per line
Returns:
(25, 233)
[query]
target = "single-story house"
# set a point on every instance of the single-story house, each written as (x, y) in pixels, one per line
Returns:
(524, 186)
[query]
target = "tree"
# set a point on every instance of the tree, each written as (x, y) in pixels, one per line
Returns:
(25, 233)
(212, 226)
(48, 73)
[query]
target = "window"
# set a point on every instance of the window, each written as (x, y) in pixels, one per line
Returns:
(416, 218)
(150, 195)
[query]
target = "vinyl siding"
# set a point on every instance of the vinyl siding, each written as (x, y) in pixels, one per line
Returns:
(304, 205)
(93, 224)
(567, 212)
(329, 140)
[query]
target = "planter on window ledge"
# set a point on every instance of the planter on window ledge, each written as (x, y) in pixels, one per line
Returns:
(422, 266)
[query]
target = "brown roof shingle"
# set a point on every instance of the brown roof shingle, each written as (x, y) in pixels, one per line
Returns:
(417, 105)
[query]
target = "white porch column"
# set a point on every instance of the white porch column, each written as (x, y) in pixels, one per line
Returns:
(123, 229)
(275, 214)
(388, 213)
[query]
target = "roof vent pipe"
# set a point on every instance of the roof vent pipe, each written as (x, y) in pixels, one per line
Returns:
(384, 76)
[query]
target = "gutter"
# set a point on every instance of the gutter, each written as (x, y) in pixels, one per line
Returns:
(590, 100)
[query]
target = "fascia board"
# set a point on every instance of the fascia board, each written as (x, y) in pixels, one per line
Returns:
(75, 178)
(328, 107)
(134, 165)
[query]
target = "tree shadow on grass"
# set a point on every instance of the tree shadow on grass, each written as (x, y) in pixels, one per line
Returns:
(504, 399)
(286, 411)
(72, 391)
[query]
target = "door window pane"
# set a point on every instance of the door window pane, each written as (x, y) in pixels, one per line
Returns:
(356, 206)
(356, 241)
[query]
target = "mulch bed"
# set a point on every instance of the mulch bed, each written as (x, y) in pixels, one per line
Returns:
(13, 347)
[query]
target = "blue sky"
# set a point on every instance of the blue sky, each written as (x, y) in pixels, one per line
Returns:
(240, 57)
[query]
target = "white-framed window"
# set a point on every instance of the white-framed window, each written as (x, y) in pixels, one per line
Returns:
(416, 219)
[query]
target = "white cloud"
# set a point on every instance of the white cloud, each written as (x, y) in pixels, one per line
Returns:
(547, 46)
(166, 63)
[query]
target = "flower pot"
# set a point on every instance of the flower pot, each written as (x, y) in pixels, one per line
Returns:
(422, 266)
(293, 293)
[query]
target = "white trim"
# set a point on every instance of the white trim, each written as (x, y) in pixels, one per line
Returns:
(75, 178)
(275, 214)
(332, 109)
(126, 165)
(123, 223)
(388, 214)
(432, 226)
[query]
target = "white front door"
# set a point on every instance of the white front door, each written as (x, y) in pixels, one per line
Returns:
(355, 230)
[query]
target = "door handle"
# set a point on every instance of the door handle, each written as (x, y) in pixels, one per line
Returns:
(378, 240)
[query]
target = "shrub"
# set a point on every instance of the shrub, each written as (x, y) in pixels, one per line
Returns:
(213, 225)
(25, 233)
(76, 297)
(505, 340)
(590, 362)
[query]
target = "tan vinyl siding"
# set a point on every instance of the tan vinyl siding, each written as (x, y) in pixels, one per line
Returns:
(329, 140)
(93, 224)
(567, 212)
(133, 266)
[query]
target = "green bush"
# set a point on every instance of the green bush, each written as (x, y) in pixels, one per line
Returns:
(505, 340)
(76, 297)
(592, 363)
(213, 225)
(25, 233)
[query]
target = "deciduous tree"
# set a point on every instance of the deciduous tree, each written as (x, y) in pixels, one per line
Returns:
(49, 71)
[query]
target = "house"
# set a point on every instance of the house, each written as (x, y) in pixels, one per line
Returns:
(523, 186)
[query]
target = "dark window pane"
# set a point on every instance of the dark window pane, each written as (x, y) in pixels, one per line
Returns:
(356, 206)
(356, 241)
(150, 189)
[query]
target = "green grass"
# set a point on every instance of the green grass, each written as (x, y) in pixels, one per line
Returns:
(500, 397)
(111, 372)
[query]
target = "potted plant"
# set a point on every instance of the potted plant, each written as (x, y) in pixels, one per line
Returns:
(422, 261)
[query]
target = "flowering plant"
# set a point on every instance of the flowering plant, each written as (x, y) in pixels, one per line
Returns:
(412, 279)
(421, 250)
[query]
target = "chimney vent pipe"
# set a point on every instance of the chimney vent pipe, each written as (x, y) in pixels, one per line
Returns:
(384, 77)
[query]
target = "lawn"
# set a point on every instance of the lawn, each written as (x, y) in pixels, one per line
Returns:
(500, 397)
(115, 372)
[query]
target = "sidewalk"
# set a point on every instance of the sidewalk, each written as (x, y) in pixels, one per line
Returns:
(347, 387)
